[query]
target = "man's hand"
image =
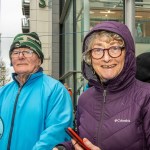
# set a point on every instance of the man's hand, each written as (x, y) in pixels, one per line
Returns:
(87, 143)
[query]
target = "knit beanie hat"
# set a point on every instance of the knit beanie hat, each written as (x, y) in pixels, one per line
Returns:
(28, 40)
(143, 67)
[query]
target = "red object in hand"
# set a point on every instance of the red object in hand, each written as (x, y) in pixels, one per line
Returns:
(76, 137)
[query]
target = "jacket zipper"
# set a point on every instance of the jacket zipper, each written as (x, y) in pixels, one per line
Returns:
(101, 118)
(13, 118)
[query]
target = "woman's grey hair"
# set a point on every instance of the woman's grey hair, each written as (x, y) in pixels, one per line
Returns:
(86, 56)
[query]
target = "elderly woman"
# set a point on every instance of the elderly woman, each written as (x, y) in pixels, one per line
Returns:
(114, 113)
(34, 108)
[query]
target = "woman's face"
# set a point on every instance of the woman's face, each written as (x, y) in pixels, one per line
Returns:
(107, 67)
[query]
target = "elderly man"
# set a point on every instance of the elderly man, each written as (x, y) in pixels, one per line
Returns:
(34, 108)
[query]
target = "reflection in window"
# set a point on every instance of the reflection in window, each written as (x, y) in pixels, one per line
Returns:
(142, 21)
(105, 10)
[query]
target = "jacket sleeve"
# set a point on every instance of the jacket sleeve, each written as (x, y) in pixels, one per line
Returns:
(146, 121)
(68, 145)
(59, 115)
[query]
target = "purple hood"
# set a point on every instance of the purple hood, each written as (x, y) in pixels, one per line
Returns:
(127, 76)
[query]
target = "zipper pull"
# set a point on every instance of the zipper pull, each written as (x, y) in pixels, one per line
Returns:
(104, 95)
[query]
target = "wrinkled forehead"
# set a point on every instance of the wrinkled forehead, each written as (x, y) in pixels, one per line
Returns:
(21, 49)
(104, 41)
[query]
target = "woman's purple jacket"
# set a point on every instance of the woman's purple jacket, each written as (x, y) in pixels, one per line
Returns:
(115, 116)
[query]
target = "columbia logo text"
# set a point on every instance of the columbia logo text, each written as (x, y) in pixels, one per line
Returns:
(122, 120)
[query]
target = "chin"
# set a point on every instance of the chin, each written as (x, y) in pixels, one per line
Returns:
(20, 72)
(107, 79)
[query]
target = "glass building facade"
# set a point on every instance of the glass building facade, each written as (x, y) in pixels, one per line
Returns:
(77, 17)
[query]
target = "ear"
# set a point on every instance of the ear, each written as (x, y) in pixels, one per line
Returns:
(39, 62)
(11, 63)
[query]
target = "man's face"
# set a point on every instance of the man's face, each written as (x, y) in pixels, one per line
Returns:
(107, 67)
(25, 65)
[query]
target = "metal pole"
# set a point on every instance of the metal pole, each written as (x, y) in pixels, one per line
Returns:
(130, 16)
(74, 52)
(86, 14)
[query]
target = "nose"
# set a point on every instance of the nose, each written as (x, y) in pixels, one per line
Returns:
(21, 55)
(106, 56)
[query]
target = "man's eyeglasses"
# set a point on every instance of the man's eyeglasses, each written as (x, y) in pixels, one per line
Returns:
(113, 51)
(25, 53)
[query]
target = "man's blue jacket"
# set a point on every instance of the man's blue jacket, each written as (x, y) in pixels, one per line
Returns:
(34, 115)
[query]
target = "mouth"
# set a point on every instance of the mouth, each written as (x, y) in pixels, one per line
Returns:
(21, 64)
(108, 66)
